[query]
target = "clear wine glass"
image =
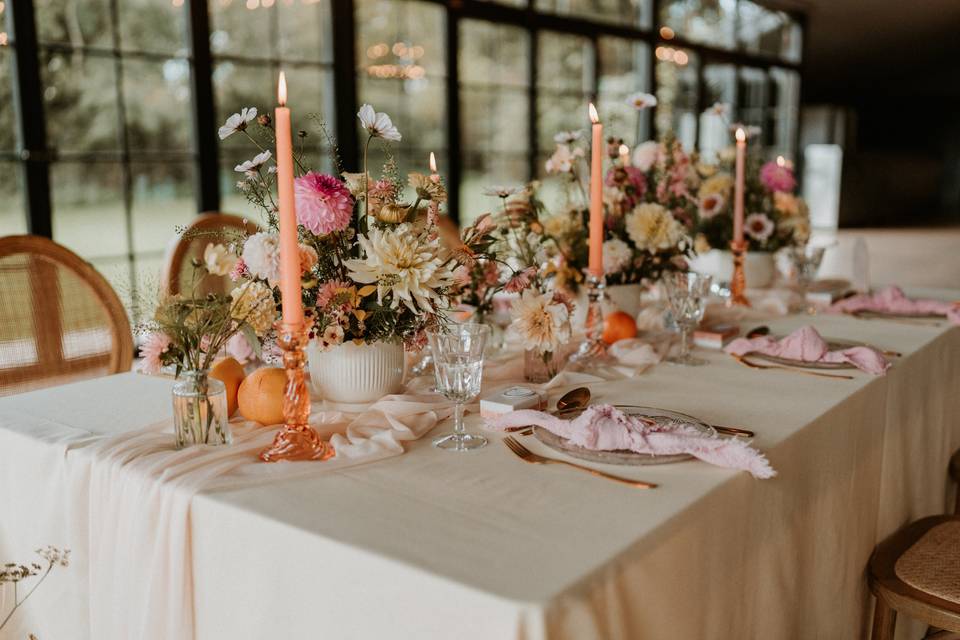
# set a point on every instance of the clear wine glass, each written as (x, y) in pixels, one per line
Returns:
(458, 367)
(805, 262)
(686, 296)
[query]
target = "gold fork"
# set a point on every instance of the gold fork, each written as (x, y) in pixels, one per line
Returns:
(528, 456)
(753, 365)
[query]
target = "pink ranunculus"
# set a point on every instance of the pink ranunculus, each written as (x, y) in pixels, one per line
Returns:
(152, 349)
(777, 178)
(324, 203)
(239, 270)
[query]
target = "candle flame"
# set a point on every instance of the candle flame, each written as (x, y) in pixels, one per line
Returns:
(282, 90)
(594, 116)
(433, 163)
(624, 150)
(741, 134)
(781, 162)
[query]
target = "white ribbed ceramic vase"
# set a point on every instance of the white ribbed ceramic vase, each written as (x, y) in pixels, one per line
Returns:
(759, 267)
(352, 376)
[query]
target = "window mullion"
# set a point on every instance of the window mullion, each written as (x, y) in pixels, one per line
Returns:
(204, 109)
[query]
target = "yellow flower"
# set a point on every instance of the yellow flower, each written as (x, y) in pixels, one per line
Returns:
(789, 204)
(700, 244)
(253, 303)
(653, 228)
(706, 169)
(718, 184)
(561, 225)
(393, 213)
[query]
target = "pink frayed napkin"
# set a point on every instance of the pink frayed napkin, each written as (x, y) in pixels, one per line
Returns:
(806, 345)
(606, 428)
(893, 300)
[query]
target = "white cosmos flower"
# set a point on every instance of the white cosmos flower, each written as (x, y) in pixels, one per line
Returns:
(405, 266)
(377, 124)
(252, 166)
(567, 137)
(237, 122)
(563, 159)
(641, 100)
(758, 226)
(218, 260)
(543, 324)
(502, 191)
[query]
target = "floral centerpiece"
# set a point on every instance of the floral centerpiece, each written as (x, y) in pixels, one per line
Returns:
(774, 216)
(377, 268)
(649, 208)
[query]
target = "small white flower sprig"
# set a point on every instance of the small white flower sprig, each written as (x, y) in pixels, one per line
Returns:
(13, 573)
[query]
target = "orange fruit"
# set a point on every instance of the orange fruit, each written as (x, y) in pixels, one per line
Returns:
(261, 395)
(618, 325)
(231, 374)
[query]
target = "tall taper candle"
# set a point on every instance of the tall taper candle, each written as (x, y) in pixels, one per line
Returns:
(289, 250)
(741, 136)
(595, 264)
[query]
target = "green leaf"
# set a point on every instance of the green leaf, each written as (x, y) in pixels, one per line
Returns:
(252, 338)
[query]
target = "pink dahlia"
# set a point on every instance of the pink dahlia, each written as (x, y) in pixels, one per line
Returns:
(324, 204)
(777, 178)
(152, 351)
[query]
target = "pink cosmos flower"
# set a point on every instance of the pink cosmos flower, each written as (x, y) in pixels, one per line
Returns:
(329, 291)
(324, 204)
(758, 226)
(152, 349)
(711, 205)
(777, 178)
(239, 270)
(519, 280)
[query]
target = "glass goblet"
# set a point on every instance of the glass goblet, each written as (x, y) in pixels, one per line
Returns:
(686, 296)
(805, 262)
(458, 367)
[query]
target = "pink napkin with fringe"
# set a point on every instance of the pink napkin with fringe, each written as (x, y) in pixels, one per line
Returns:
(807, 345)
(606, 428)
(893, 300)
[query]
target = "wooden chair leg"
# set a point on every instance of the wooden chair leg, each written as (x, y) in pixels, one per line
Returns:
(884, 621)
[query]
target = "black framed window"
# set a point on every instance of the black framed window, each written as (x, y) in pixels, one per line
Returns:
(117, 101)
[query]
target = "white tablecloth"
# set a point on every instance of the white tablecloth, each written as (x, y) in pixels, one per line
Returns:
(437, 545)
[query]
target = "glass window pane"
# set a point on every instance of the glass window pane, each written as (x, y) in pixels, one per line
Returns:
(5, 38)
(240, 28)
(769, 32)
(565, 84)
(80, 98)
(401, 72)
(706, 21)
(8, 127)
(719, 85)
(752, 98)
(158, 26)
(162, 199)
(157, 103)
(13, 216)
(624, 68)
(494, 105)
(237, 85)
(631, 12)
(79, 23)
(677, 94)
(303, 31)
(89, 218)
(784, 111)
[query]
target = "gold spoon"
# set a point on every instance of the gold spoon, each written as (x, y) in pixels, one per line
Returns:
(568, 402)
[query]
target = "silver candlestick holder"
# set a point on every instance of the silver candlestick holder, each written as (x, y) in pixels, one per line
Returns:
(593, 349)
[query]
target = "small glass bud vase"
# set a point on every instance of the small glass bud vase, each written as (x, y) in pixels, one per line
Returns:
(200, 410)
(541, 367)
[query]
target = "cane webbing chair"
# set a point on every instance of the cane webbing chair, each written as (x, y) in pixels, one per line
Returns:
(60, 320)
(216, 228)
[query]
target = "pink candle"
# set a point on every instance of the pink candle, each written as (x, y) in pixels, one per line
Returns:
(738, 188)
(434, 176)
(291, 299)
(595, 265)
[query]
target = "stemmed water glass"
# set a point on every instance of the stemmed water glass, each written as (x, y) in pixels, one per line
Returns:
(458, 367)
(805, 262)
(686, 296)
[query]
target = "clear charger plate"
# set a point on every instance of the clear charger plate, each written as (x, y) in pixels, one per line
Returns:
(661, 416)
(833, 345)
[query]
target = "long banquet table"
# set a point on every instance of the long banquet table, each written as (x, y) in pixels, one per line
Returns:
(437, 545)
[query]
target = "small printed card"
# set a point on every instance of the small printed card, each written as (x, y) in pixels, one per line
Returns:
(715, 336)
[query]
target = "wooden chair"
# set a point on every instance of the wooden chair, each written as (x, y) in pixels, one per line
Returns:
(185, 247)
(60, 320)
(955, 474)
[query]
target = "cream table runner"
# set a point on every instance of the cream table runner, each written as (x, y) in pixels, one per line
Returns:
(482, 546)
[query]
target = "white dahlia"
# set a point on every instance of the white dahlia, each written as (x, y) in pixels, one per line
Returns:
(542, 322)
(261, 254)
(616, 255)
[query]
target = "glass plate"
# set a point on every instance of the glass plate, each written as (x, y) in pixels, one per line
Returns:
(833, 345)
(661, 416)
